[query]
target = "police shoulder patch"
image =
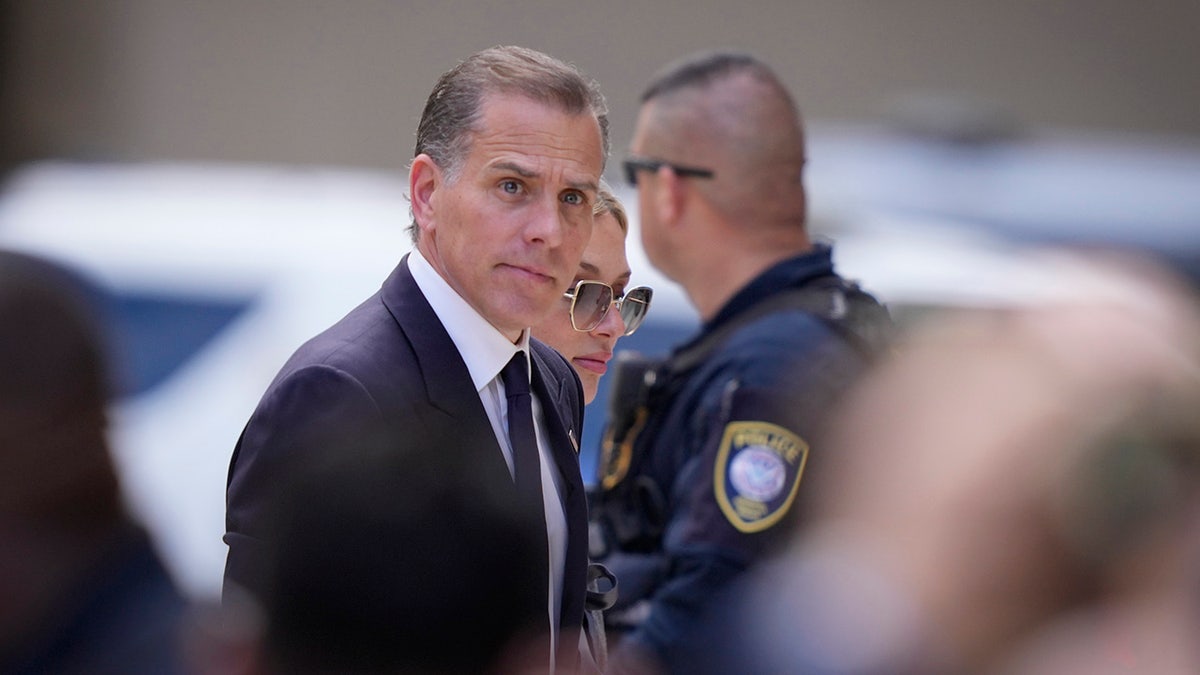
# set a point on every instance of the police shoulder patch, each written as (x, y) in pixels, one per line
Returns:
(757, 472)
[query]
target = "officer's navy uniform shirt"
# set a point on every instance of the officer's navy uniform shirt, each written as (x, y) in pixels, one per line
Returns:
(777, 373)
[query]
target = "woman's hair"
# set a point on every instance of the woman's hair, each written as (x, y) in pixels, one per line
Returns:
(607, 202)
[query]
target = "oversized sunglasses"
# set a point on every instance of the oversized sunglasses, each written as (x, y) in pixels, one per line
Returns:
(591, 300)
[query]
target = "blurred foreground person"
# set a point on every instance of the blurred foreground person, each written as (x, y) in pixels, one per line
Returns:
(1015, 492)
(462, 549)
(81, 588)
(587, 332)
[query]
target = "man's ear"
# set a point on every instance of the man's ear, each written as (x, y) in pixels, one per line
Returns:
(424, 178)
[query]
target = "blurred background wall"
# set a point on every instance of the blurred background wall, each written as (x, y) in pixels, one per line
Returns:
(343, 82)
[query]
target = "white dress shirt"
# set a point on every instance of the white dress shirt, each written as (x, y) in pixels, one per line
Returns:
(486, 351)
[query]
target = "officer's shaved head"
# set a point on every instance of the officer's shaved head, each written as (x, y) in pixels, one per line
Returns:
(728, 111)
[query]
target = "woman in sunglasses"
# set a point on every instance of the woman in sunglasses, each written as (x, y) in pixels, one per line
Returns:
(586, 332)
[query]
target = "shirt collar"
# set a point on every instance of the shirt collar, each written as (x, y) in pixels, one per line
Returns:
(483, 348)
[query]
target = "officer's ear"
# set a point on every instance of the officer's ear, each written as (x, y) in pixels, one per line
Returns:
(670, 199)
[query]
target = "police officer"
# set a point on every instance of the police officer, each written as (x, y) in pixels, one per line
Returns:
(705, 464)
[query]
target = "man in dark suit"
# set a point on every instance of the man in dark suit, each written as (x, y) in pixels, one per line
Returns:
(509, 154)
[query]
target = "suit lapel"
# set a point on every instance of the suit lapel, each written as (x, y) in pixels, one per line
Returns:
(559, 425)
(448, 386)
(450, 392)
(562, 436)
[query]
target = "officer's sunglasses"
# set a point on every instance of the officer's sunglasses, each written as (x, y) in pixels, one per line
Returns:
(591, 300)
(634, 164)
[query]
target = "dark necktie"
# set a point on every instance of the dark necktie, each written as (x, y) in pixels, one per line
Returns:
(527, 471)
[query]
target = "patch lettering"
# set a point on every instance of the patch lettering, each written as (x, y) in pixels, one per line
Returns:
(758, 470)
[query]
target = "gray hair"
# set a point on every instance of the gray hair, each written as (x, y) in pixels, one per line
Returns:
(454, 106)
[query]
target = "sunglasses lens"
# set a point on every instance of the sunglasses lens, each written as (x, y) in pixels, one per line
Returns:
(592, 300)
(634, 308)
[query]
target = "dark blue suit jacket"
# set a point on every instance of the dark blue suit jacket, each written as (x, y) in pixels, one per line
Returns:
(389, 364)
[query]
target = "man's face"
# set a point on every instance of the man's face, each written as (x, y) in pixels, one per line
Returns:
(508, 233)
